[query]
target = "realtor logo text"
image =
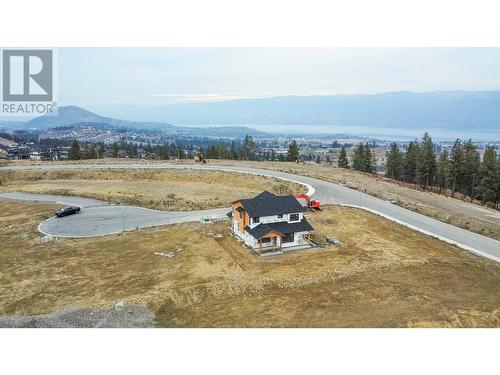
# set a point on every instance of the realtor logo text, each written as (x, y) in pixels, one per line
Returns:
(28, 82)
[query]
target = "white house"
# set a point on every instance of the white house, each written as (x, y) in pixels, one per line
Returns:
(270, 222)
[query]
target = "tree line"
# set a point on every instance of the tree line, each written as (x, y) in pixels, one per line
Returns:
(363, 159)
(458, 170)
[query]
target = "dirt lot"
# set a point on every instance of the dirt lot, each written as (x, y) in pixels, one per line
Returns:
(383, 275)
(162, 190)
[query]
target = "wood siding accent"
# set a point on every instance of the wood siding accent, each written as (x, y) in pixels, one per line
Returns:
(236, 216)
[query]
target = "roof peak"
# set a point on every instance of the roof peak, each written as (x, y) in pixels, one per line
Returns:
(267, 204)
(265, 193)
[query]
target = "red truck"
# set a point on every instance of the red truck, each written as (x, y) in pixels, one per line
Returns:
(306, 201)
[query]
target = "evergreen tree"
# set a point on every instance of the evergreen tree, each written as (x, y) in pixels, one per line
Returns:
(489, 179)
(273, 155)
(163, 152)
(293, 151)
(358, 158)
(74, 151)
(456, 167)
(410, 162)
(249, 148)
(211, 153)
(318, 159)
(114, 150)
(100, 151)
(472, 162)
(180, 153)
(442, 170)
(233, 152)
(395, 166)
(343, 162)
(426, 162)
(93, 152)
(369, 160)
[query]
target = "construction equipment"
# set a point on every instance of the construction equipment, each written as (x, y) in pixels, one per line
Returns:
(306, 201)
(198, 158)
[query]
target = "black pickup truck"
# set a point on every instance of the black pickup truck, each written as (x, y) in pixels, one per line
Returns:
(67, 211)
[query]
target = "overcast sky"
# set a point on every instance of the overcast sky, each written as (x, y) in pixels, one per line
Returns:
(158, 76)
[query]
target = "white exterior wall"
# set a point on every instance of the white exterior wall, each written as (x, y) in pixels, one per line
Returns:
(247, 239)
(297, 239)
(250, 240)
(275, 219)
(254, 243)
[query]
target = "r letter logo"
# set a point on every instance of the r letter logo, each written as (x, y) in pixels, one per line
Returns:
(28, 82)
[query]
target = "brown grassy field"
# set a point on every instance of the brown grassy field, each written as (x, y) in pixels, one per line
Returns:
(163, 190)
(383, 275)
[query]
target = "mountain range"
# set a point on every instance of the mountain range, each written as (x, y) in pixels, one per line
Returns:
(454, 110)
(447, 110)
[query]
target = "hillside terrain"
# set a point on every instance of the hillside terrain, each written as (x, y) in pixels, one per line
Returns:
(73, 115)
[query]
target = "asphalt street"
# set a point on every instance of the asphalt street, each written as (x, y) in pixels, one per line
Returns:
(108, 219)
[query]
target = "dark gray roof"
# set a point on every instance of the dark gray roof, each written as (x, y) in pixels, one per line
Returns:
(281, 227)
(229, 214)
(267, 204)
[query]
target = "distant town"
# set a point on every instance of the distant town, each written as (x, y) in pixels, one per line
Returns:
(95, 140)
(459, 166)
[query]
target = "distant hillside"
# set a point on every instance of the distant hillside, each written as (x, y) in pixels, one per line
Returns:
(76, 116)
(459, 110)
(73, 115)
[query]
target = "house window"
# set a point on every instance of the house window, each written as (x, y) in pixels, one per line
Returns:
(288, 237)
(280, 216)
(294, 217)
(265, 240)
(255, 219)
(241, 215)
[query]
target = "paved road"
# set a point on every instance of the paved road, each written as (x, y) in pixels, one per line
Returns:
(326, 192)
(100, 218)
(61, 199)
